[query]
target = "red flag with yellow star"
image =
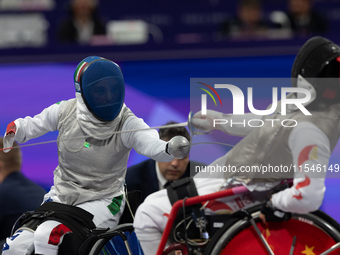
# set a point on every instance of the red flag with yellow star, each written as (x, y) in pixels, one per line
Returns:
(310, 240)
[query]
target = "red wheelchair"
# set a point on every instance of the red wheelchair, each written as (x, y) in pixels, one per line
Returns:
(244, 233)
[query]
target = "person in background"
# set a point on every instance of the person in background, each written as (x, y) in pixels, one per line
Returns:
(17, 193)
(304, 20)
(82, 24)
(150, 176)
(248, 23)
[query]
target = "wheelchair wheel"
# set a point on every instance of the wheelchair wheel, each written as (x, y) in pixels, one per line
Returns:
(315, 233)
(112, 242)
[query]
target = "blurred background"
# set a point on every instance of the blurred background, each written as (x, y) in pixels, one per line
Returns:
(159, 45)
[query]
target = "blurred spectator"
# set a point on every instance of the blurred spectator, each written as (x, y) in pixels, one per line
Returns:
(82, 24)
(304, 20)
(17, 193)
(249, 22)
(150, 176)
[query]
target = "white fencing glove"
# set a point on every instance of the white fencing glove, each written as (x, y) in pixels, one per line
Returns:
(178, 147)
(206, 122)
(9, 136)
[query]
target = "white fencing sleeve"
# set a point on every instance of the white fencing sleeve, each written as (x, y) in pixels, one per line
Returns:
(144, 142)
(40, 124)
(310, 148)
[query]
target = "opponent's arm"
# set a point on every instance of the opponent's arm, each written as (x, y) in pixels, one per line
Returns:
(310, 148)
(24, 129)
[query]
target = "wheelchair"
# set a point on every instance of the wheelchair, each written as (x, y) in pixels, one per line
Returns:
(244, 233)
(120, 240)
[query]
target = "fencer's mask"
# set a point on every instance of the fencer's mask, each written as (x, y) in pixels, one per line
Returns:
(317, 66)
(101, 84)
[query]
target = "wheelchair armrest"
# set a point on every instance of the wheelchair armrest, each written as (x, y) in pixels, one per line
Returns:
(105, 234)
(93, 236)
(98, 231)
(120, 228)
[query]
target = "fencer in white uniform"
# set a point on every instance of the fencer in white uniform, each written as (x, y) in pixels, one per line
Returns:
(92, 156)
(307, 145)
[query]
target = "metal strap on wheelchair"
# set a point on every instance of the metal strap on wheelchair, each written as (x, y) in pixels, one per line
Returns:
(75, 218)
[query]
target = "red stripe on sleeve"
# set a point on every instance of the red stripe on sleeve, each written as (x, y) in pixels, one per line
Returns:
(304, 154)
(300, 185)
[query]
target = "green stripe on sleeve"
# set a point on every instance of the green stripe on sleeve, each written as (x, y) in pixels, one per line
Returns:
(114, 207)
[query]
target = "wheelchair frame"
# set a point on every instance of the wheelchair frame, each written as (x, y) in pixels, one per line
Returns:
(190, 201)
(225, 193)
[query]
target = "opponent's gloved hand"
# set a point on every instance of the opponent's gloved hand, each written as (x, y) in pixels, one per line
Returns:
(206, 122)
(272, 214)
(9, 136)
(178, 147)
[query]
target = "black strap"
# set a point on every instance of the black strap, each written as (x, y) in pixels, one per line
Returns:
(181, 189)
(75, 218)
(76, 213)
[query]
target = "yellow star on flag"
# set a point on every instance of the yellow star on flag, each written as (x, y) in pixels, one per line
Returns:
(314, 153)
(308, 251)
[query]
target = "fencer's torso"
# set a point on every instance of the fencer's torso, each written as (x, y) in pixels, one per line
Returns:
(88, 168)
(268, 145)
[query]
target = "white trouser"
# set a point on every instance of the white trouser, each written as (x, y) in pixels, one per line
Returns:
(48, 236)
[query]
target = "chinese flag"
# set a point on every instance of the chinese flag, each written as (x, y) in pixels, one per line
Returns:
(310, 240)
